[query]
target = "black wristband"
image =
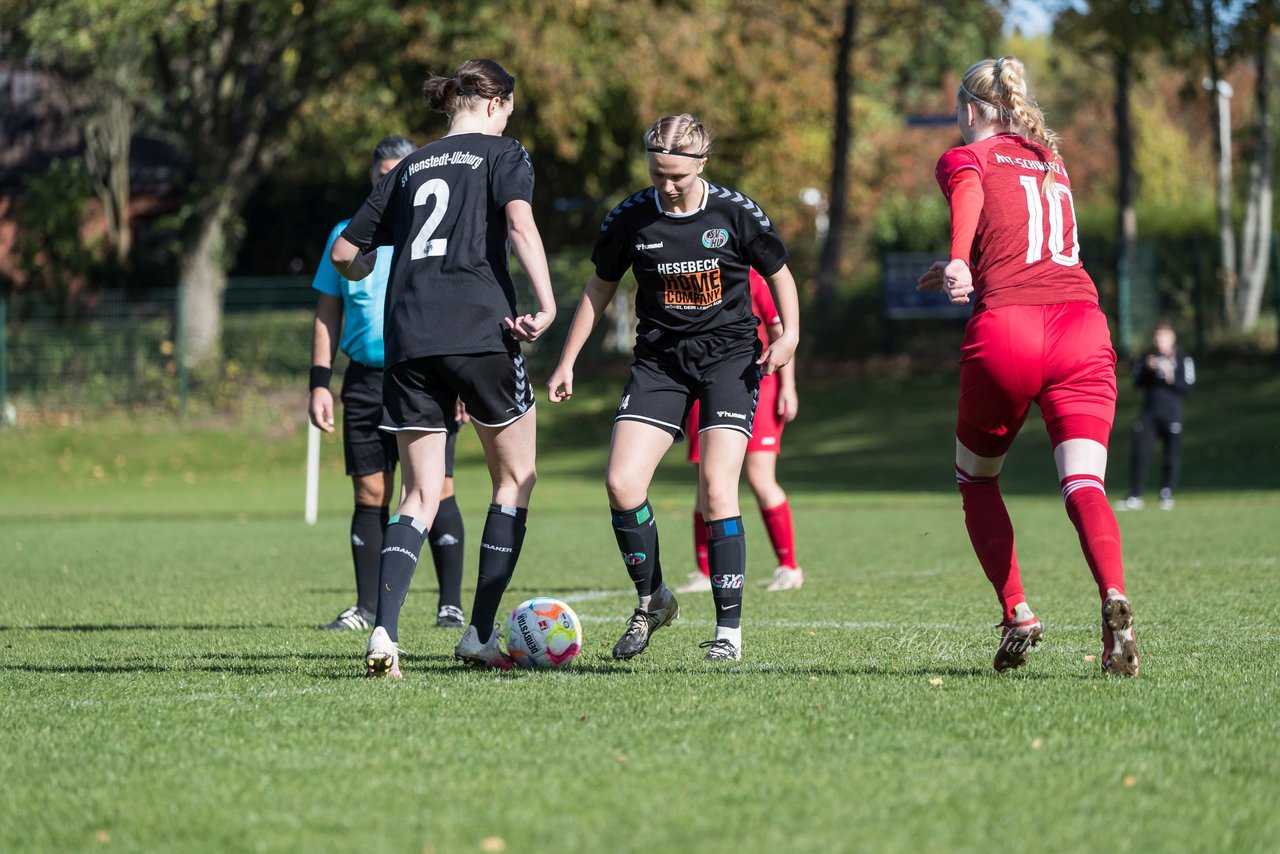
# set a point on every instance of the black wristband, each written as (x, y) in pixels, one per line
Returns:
(320, 376)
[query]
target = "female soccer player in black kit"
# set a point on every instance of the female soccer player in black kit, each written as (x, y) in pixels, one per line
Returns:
(452, 331)
(690, 245)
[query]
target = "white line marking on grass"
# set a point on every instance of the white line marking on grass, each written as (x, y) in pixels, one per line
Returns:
(594, 595)
(855, 625)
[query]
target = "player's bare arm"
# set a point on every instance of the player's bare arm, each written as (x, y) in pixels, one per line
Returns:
(324, 343)
(352, 264)
(953, 278)
(788, 402)
(595, 299)
(782, 350)
(526, 242)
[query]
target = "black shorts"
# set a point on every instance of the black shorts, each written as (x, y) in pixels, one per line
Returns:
(367, 449)
(421, 394)
(666, 378)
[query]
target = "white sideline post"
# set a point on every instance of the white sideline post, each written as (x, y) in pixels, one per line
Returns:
(313, 472)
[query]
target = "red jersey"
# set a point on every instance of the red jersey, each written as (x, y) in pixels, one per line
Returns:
(1025, 250)
(762, 306)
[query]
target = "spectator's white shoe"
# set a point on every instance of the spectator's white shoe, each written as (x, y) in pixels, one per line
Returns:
(1133, 502)
(786, 578)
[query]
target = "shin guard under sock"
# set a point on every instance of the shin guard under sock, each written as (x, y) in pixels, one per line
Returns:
(727, 554)
(401, 545)
(367, 523)
(636, 532)
(991, 534)
(500, 544)
(447, 539)
(777, 523)
(1096, 526)
(700, 543)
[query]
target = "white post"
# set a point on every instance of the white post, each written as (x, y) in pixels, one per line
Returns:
(313, 472)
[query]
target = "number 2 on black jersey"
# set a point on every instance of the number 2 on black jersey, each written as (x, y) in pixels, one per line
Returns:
(424, 245)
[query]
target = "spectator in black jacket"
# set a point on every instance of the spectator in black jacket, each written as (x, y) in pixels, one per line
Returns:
(1166, 375)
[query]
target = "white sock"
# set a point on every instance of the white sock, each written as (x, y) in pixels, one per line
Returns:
(734, 635)
(646, 601)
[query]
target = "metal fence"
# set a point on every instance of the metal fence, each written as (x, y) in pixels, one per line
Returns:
(122, 348)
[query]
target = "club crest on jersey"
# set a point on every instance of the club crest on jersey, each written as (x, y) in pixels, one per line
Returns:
(714, 238)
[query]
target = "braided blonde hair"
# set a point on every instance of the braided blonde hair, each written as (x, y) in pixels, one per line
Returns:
(682, 133)
(997, 89)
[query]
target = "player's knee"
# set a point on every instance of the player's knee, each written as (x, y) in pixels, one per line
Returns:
(520, 480)
(370, 491)
(767, 491)
(528, 480)
(721, 497)
(624, 492)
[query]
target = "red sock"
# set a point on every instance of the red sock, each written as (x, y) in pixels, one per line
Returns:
(991, 533)
(777, 521)
(1095, 522)
(700, 544)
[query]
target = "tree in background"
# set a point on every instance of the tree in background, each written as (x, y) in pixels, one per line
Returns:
(230, 76)
(95, 50)
(1120, 33)
(1256, 35)
(1238, 37)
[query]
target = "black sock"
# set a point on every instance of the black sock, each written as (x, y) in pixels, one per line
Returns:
(401, 545)
(637, 534)
(727, 555)
(500, 546)
(446, 539)
(366, 550)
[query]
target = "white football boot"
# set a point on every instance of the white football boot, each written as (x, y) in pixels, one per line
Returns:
(722, 649)
(1017, 638)
(1119, 646)
(382, 658)
(696, 583)
(785, 578)
(352, 618)
(475, 654)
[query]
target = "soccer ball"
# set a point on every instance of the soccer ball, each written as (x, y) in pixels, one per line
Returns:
(542, 632)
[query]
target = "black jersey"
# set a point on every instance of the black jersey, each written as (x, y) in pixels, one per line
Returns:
(692, 270)
(1153, 379)
(442, 208)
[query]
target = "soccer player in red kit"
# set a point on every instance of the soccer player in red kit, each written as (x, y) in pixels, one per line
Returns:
(775, 409)
(1036, 335)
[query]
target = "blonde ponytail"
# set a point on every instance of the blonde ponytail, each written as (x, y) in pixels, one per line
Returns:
(998, 90)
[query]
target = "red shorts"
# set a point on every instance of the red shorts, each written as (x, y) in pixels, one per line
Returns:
(1058, 356)
(766, 430)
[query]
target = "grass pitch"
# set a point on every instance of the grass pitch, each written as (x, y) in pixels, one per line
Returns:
(162, 686)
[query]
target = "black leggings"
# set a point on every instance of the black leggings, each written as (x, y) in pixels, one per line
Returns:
(1166, 423)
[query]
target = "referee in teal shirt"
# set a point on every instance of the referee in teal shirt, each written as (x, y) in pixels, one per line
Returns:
(356, 310)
